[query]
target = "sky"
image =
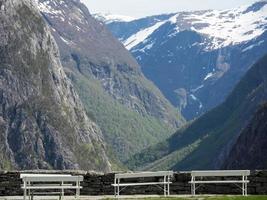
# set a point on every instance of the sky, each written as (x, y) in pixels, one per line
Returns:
(141, 8)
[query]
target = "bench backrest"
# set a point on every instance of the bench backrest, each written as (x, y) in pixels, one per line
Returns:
(51, 178)
(221, 173)
(143, 174)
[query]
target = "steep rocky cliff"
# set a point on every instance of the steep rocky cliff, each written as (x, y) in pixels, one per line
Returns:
(42, 120)
(250, 150)
(130, 110)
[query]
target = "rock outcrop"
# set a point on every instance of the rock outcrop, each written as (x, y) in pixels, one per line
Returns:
(43, 124)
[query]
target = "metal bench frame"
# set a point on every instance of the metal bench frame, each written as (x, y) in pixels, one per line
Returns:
(220, 173)
(166, 175)
(47, 182)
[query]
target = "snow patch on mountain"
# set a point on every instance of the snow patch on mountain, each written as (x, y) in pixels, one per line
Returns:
(209, 75)
(109, 18)
(252, 46)
(200, 106)
(141, 36)
(197, 88)
(230, 27)
(46, 7)
(221, 27)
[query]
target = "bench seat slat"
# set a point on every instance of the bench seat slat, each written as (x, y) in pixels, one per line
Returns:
(139, 184)
(45, 193)
(51, 187)
(53, 179)
(44, 175)
(144, 174)
(224, 181)
(47, 185)
(221, 173)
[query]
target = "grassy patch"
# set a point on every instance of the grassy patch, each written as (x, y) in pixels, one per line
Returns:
(126, 131)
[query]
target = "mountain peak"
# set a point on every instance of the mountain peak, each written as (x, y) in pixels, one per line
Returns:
(256, 6)
(109, 18)
(221, 27)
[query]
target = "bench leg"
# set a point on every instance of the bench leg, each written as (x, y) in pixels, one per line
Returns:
(164, 186)
(168, 186)
(243, 187)
(193, 186)
(246, 186)
(246, 189)
(30, 195)
(193, 189)
(116, 189)
(118, 192)
(62, 194)
(24, 192)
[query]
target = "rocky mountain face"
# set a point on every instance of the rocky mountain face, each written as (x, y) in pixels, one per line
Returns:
(206, 142)
(42, 120)
(130, 110)
(250, 151)
(191, 56)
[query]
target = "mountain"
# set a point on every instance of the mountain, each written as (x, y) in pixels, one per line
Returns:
(131, 112)
(249, 152)
(124, 29)
(110, 18)
(191, 56)
(42, 120)
(206, 142)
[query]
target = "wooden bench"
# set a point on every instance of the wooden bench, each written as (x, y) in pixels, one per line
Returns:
(243, 174)
(128, 177)
(50, 182)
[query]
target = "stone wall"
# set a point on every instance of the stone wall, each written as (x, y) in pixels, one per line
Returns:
(100, 184)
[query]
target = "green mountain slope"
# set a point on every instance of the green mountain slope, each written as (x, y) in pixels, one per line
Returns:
(206, 142)
(131, 112)
(125, 131)
(249, 151)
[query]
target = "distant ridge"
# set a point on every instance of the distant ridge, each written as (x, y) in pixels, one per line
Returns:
(192, 55)
(206, 142)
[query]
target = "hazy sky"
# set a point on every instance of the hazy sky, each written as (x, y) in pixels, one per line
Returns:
(139, 8)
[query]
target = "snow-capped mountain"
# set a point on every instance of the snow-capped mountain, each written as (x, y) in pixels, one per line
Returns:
(109, 18)
(191, 56)
(222, 28)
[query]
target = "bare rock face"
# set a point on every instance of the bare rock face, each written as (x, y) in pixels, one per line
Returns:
(42, 121)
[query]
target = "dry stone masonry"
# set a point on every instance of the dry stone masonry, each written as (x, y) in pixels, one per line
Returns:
(100, 184)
